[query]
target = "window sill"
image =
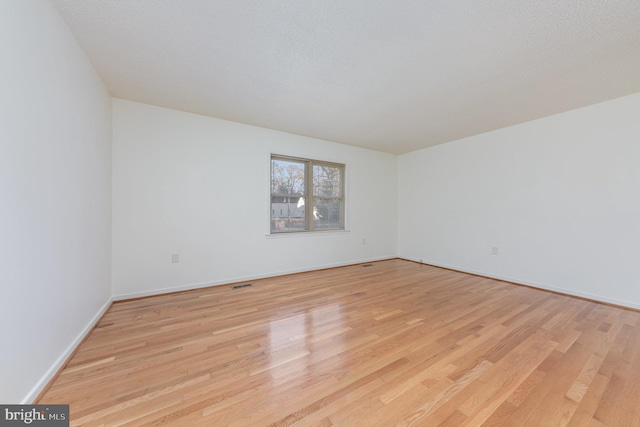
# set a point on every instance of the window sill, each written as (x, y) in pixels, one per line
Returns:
(306, 233)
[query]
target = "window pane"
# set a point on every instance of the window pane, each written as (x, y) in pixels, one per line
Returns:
(306, 195)
(327, 214)
(327, 181)
(287, 177)
(287, 214)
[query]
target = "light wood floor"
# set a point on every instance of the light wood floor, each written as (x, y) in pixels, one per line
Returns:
(396, 343)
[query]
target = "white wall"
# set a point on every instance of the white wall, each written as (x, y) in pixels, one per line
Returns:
(55, 186)
(559, 197)
(199, 187)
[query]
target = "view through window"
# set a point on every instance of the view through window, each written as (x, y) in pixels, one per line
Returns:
(306, 195)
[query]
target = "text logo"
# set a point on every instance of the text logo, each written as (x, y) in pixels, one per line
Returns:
(34, 415)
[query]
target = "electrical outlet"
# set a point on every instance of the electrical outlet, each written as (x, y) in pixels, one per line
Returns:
(494, 251)
(175, 258)
(364, 241)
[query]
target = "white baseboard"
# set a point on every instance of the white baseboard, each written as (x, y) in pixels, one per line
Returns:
(53, 370)
(565, 291)
(230, 280)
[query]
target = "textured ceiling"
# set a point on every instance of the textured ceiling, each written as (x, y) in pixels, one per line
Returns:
(390, 75)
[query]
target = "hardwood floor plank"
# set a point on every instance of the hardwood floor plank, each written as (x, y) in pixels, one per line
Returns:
(397, 343)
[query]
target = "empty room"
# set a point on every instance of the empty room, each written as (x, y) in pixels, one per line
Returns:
(332, 213)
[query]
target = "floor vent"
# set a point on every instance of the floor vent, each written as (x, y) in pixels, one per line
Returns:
(246, 285)
(367, 265)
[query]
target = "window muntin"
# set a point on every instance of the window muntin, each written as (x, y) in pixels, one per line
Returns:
(306, 195)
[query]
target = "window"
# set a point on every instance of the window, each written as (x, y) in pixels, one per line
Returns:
(309, 194)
